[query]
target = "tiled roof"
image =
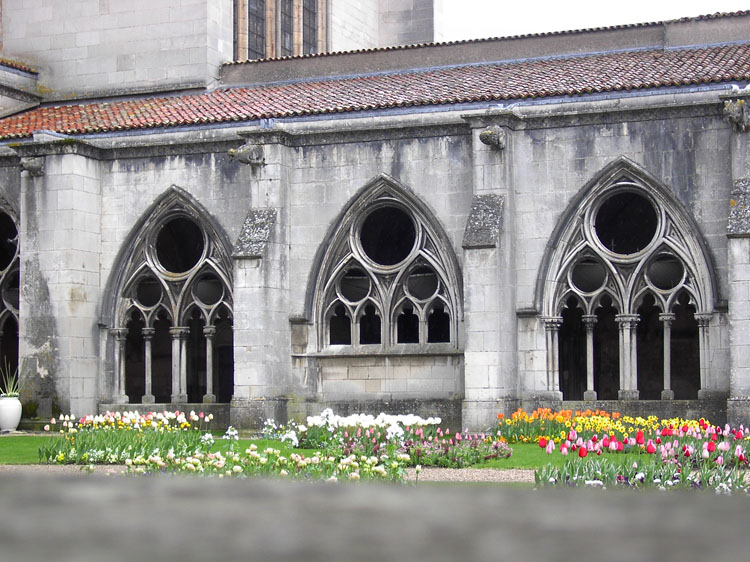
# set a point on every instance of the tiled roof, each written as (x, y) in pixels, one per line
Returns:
(565, 76)
(17, 65)
(717, 15)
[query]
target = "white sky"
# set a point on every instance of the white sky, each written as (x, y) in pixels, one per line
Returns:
(472, 19)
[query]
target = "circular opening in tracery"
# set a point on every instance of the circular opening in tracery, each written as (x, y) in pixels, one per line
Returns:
(666, 272)
(209, 289)
(626, 223)
(388, 235)
(354, 285)
(10, 292)
(422, 283)
(8, 240)
(148, 292)
(588, 275)
(179, 245)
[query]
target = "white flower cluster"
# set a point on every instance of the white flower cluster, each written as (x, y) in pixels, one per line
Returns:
(328, 419)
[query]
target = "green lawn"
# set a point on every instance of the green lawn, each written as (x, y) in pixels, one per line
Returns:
(24, 449)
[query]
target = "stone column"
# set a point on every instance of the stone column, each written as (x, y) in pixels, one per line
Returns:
(148, 335)
(667, 319)
(209, 332)
(704, 347)
(179, 364)
(118, 387)
(589, 321)
(628, 357)
(737, 112)
(552, 327)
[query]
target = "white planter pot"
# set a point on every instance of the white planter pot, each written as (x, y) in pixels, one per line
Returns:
(10, 413)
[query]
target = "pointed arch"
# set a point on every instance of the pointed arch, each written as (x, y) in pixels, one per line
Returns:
(175, 264)
(173, 201)
(624, 235)
(345, 247)
(624, 172)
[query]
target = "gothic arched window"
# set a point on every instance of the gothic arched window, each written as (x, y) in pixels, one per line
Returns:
(174, 314)
(628, 296)
(9, 292)
(387, 278)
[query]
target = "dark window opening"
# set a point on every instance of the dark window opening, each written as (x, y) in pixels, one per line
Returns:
(650, 351)
(223, 357)
(388, 235)
(407, 326)
(626, 223)
(369, 326)
(256, 29)
(309, 26)
(572, 338)
(423, 283)
(286, 19)
(11, 290)
(135, 364)
(354, 285)
(340, 327)
(685, 360)
(666, 272)
(209, 289)
(8, 240)
(148, 292)
(161, 361)
(438, 325)
(606, 352)
(196, 358)
(9, 344)
(588, 275)
(179, 245)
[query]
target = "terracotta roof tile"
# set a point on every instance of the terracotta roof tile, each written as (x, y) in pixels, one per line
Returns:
(484, 82)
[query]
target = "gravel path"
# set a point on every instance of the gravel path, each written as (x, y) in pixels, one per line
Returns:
(487, 475)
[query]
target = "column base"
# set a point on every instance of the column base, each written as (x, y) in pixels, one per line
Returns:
(148, 399)
(712, 394)
(178, 398)
(209, 398)
(667, 394)
(628, 394)
(120, 399)
(589, 395)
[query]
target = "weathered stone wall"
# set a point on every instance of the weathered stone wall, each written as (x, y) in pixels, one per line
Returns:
(554, 159)
(353, 25)
(82, 47)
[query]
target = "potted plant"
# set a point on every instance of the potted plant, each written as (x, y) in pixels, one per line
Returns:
(10, 405)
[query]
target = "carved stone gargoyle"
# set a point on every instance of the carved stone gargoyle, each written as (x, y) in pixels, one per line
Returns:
(248, 154)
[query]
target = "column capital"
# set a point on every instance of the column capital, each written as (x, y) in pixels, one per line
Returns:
(589, 320)
(552, 323)
(209, 331)
(667, 317)
(148, 333)
(703, 318)
(627, 320)
(120, 334)
(180, 332)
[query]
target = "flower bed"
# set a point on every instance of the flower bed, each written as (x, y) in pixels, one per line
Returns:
(423, 441)
(671, 453)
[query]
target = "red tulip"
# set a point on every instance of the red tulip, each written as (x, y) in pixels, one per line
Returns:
(711, 446)
(605, 441)
(639, 437)
(542, 442)
(650, 448)
(582, 452)
(738, 435)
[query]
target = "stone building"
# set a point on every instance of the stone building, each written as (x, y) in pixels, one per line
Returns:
(453, 229)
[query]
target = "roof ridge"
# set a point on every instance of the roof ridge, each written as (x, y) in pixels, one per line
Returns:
(716, 15)
(646, 69)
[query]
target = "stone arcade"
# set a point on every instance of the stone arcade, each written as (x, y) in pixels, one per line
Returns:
(446, 229)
